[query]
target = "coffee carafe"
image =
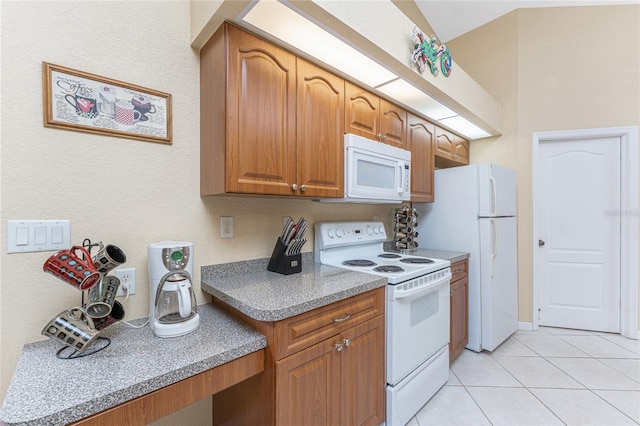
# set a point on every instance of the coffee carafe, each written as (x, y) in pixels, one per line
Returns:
(172, 308)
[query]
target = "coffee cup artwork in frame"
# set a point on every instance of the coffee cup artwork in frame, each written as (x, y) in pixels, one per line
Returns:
(79, 101)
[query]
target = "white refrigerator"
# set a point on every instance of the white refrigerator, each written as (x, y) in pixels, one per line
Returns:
(475, 211)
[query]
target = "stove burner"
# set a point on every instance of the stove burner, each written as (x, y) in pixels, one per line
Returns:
(388, 268)
(389, 255)
(359, 262)
(416, 260)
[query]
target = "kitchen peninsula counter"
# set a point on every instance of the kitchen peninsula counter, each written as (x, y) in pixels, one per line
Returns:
(46, 390)
(269, 296)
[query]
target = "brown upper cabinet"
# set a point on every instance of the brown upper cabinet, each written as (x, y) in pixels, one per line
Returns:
(374, 118)
(451, 149)
(421, 139)
(271, 123)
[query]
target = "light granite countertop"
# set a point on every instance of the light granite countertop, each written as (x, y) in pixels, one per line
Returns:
(269, 296)
(46, 390)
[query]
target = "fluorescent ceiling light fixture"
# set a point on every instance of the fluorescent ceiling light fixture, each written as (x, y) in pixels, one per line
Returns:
(415, 98)
(278, 20)
(464, 127)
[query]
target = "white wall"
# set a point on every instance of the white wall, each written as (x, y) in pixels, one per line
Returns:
(552, 69)
(116, 190)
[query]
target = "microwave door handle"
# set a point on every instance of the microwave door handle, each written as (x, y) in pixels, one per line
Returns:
(401, 170)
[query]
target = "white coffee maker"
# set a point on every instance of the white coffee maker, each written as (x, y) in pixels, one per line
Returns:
(172, 307)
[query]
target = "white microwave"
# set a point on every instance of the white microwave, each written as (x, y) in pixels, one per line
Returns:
(374, 172)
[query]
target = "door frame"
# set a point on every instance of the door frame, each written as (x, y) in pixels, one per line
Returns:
(628, 218)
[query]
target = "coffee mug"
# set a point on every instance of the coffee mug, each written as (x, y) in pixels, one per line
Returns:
(84, 102)
(125, 113)
(72, 328)
(102, 296)
(107, 101)
(73, 269)
(116, 314)
(108, 258)
(142, 104)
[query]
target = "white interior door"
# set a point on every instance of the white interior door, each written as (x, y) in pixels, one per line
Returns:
(578, 258)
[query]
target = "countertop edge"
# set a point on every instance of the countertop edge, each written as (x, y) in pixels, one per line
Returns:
(291, 311)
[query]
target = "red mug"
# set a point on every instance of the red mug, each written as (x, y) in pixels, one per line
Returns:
(73, 269)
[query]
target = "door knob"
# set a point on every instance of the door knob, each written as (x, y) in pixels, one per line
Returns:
(540, 243)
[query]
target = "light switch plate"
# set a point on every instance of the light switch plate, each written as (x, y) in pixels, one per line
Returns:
(24, 236)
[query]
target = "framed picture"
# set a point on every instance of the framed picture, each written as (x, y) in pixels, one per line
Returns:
(79, 101)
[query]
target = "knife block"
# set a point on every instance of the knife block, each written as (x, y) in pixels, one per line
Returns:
(283, 264)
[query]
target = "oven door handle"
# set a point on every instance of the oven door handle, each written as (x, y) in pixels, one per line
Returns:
(403, 294)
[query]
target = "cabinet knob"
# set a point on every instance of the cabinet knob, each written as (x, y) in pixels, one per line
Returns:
(346, 342)
(540, 243)
(338, 347)
(379, 136)
(384, 138)
(303, 188)
(294, 187)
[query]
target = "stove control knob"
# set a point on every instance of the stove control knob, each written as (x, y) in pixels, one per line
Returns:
(339, 233)
(369, 230)
(330, 233)
(381, 229)
(375, 229)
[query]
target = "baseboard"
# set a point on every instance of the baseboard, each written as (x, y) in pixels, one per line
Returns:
(525, 326)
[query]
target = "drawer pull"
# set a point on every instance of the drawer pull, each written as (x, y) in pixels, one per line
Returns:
(342, 319)
(459, 271)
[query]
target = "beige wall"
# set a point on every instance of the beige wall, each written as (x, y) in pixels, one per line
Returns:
(552, 69)
(116, 190)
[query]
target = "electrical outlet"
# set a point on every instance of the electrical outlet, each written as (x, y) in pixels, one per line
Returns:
(226, 226)
(127, 277)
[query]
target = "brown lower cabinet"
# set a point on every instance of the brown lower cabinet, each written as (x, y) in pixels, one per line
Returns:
(323, 367)
(459, 313)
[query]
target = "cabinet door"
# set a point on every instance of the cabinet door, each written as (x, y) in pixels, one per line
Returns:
(444, 143)
(308, 386)
(261, 121)
(363, 374)
(362, 112)
(320, 132)
(421, 136)
(459, 317)
(451, 149)
(393, 124)
(461, 153)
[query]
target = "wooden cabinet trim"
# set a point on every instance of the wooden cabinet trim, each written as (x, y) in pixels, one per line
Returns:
(459, 309)
(169, 399)
(299, 332)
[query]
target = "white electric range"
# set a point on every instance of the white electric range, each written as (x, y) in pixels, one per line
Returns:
(417, 311)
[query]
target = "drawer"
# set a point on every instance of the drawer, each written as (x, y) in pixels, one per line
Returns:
(459, 270)
(294, 334)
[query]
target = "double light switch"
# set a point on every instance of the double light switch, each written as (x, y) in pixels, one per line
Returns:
(38, 235)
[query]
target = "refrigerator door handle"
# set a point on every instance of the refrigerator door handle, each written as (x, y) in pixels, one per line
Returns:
(494, 252)
(494, 190)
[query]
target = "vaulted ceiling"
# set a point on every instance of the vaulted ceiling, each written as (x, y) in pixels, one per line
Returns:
(452, 18)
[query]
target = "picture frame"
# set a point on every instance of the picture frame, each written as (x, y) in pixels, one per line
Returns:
(84, 102)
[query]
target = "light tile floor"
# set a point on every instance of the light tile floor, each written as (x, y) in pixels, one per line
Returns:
(545, 377)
